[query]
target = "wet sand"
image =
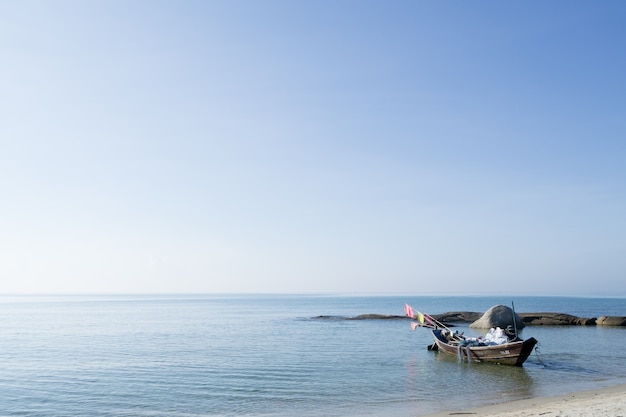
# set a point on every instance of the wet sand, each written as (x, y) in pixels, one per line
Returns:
(604, 402)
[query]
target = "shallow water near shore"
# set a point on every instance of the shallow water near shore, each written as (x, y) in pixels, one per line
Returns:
(271, 356)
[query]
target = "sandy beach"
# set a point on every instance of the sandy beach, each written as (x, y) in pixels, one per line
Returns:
(605, 402)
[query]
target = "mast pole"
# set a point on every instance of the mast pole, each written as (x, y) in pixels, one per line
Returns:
(514, 321)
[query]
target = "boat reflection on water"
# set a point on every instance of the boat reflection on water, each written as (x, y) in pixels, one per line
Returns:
(491, 382)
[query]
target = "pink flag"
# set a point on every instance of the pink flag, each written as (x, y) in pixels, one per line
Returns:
(408, 310)
(429, 320)
(414, 325)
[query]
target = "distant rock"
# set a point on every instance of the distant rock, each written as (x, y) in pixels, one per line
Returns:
(498, 316)
(371, 316)
(611, 321)
(377, 317)
(555, 319)
(457, 317)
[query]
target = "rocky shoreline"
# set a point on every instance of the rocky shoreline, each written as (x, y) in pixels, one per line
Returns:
(528, 319)
(535, 319)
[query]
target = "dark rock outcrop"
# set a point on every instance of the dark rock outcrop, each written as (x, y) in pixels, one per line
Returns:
(370, 316)
(555, 319)
(457, 317)
(377, 317)
(498, 316)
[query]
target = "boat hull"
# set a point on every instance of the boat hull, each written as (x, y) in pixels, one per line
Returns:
(514, 353)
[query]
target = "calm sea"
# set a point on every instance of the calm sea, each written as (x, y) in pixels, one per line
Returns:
(273, 356)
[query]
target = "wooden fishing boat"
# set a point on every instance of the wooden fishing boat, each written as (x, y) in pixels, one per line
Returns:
(514, 352)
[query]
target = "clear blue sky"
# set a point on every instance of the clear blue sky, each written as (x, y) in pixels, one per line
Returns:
(324, 146)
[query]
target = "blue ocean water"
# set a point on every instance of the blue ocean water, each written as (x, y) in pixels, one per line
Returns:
(274, 356)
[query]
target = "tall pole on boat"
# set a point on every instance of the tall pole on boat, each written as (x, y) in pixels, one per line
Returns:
(514, 321)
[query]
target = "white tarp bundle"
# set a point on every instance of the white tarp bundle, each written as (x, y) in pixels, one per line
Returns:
(496, 336)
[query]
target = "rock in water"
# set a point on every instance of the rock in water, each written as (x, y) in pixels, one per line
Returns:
(555, 319)
(497, 316)
(611, 321)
